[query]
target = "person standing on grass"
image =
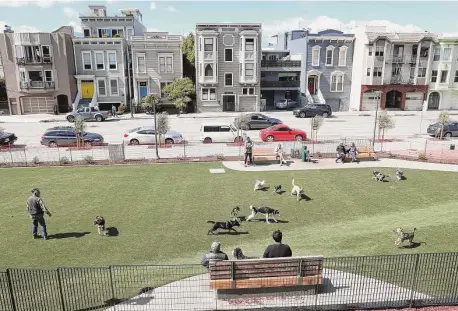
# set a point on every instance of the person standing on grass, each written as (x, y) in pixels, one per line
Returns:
(278, 249)
(37, 209)
(248, 151)
(114, 111)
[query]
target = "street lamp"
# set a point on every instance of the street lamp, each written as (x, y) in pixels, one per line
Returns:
(377, 94)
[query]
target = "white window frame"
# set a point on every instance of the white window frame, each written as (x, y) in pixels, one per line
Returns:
(44, 75)
(248, 89)
(117, 87)
(232, 53)
(49, 49)
(423, 71)
(165, 56)
(246, 76)
(336, 75)
(434, 77)
(98, 87)
(446, 78)
(437, 52)
(137, 56)
(449, 58)
(116, 60)
(316, 62)
(103, 60)
(208, 93)
(90, 33)
(330, 48)
(232, 79)
(343, 50)
(90, 59)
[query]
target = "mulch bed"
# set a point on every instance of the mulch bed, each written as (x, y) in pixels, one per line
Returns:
(441, 308)
(12, 148)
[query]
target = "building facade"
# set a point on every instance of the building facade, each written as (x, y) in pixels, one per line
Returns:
(39, 70)
(102, 56)
(443, 82)
(157, 61)
(228, 67)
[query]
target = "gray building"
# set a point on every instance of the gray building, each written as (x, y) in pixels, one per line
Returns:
(157, 61)
(228, 67)
(102, 55)
(39, 70)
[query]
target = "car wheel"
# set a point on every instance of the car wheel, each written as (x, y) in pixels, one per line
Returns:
(169, 141)
(270, 138)
(98, 118)
(448, 135)
(299, 138)
(325, 115)
(134, 142)
(238, 139)
(302, 114)
(207, 140)
(52, 144)
(71, 119)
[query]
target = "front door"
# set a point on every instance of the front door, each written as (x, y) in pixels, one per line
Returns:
(311, 85)
(87, 89)
(229, 103)
(393, 100)
(143, 90)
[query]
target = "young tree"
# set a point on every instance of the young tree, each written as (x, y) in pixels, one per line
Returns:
(180, 91)
(315, 123)
(384, 122)
(443, 119)
(150, 101)
(3, 95)
(189, 69)
(79, 127)
(162, 124)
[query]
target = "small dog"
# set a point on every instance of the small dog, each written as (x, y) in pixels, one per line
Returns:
(269, 212)
(399, 174)
(379, 176)
(277, 189)
(297, 191)
(238, 254)
(404, 236)
(228, 225)
(235, 214)
(259, 185)
(100, 223)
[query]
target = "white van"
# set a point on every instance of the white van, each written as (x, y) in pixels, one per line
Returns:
(220, 133)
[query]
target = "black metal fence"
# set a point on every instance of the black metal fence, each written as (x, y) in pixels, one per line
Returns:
(364, 282)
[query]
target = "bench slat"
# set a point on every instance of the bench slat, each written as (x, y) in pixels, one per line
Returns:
(263, 262)
(267, 282)
(305, 267)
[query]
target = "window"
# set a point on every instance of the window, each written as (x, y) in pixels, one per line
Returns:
(248, 91)
(412, 72)
(329, 57)
(228, 79)
(102, 87)
(337, 82)
(208, 44)
(396, 70)
(114, 87)
(316, 56)
(141, 66)
(87, 63)
(249, 44)
(208, 70)
(19, 51)
(456, 77)
(379, 51)
(249, 70)
(99, 61)
(368, 72)
(377, 71)
(112, 63)
(163, 85)
(371, 49)
(208, 94)
(421, 72)
(434, 76)
(228, 55)
(86, 32)
(444, 75)
(165, 64)
(446, 54)
(45, 50)
(343, 56)
(129, 33)
(48, 75)
(437, 54)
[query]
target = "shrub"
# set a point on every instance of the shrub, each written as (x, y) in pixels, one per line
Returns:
(220, 157)
(422, 156)
(36, 160)
(89, 159)
(121, 109)
(64, 160)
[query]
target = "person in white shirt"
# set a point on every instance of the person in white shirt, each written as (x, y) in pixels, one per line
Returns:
(279, 152)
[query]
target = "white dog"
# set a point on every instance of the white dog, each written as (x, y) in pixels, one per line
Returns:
(297, 191)
(259, 185)
(399, 174)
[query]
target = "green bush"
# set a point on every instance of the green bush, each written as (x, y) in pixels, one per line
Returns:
(422, 156)
(36, 160)
(89, 159)
(64, 160)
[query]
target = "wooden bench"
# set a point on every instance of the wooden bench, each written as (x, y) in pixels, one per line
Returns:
(364, 152)
(266, 273)
(265, 155)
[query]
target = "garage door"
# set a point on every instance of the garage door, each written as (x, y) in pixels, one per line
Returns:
(38, 105)
(369, 102)
(414, 101)
(247, 103)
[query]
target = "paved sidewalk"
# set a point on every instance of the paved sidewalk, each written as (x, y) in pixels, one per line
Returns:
(331, 164)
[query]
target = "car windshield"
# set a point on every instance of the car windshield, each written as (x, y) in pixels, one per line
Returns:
(135, 129)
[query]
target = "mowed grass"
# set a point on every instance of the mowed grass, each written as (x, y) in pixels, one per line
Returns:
(161, 213)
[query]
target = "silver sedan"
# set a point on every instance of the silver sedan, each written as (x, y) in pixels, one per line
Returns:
(145, 136)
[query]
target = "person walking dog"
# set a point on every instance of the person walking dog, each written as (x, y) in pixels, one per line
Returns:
(248, 151)
(37, 209)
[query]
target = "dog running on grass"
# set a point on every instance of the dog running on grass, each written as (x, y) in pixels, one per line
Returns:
(259, 185)
(267, 211)
(228, 225)
(297, 191)
(399, 174)
(235, 214)
(404, 236)
(277, 189)
(100, 223)
(379, 176)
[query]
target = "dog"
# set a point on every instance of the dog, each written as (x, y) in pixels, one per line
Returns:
(297, 191)
(259, 185)
(277, 189)
(228, 225)
(379, 176)
(269, 212)
(399, 174)
(404, 236)
(235, 214)
(100, 223)
(238, 254)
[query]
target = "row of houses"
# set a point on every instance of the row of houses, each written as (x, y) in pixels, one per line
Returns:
(116, 61)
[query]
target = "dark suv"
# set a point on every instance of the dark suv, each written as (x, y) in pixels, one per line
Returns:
(312, 110)
(450, 130)
(61, 136)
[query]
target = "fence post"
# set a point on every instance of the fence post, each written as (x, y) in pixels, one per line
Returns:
(112, 285)
(184, 149)
(71, 154)
(426, 144)
(414, 280)
(11, 156)
(25, 157)
(61, 293)
(10, 290)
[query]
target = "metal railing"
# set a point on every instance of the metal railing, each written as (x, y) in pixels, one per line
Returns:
(398, 79)
(37, 85)
(280, 84)
(280, 63)
(32, 61)
(362, 282)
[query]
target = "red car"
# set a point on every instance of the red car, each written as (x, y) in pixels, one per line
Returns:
(283, 132)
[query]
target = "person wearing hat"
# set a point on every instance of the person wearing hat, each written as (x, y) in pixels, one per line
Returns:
(214, 254)
(37, 209)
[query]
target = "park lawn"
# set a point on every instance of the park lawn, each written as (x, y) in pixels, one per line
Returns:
(161, 213)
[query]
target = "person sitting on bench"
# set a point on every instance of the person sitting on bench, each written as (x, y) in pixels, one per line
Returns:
(341, 153)
(279, 152)
(215, 254)
(353, 151)
(278, 249)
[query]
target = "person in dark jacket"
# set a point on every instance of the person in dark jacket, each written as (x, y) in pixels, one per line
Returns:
(37, 209)
(248, 151)
(278, 249)
(341, 153)
(214, 254)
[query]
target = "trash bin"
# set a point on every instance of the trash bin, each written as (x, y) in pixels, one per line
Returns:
(304, 152)
(452, 147)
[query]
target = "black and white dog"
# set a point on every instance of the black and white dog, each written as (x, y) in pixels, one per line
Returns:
(228, 225)
(235, 214)
(402, 236)
(267, 211)
(277, 189)
(399, 174)
(99, 221)
(379, 176)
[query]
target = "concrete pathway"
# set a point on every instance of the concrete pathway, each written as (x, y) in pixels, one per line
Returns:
(340, 288)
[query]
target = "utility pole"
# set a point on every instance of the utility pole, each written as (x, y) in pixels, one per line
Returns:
(129, 60)
(153, 100)
(377, 93)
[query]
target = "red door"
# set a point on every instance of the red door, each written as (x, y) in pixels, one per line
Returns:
(311, 86)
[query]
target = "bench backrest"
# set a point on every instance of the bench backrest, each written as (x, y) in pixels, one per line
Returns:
(366, 149)
(262, 268)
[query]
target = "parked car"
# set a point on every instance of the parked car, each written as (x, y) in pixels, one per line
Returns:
(257, 121)
(450, 130)
(61, 136)
(88, 113)
(285, 104)
(145, 135)
(220, 132)
(282, 132)
(312, 110)
(7, 138)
